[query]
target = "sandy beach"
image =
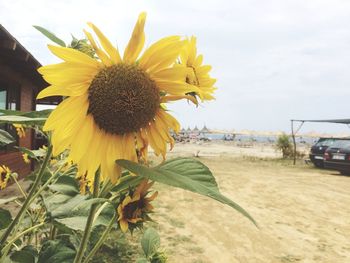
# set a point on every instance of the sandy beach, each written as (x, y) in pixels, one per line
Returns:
(303, 213)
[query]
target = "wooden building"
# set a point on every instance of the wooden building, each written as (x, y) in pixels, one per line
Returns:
(19, 84)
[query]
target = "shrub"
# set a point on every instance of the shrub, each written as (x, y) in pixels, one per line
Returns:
(284, 145)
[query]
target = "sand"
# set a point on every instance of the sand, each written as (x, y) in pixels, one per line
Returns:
(303, 213)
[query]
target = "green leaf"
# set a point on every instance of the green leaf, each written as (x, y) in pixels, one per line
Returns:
(21, 120)
(5, 138)
(8, 200)
(185, 173)
(50, 35)
(30, 114)
(34, 154)
(56, 251)
(78, 221)
(142, 260)
(66, 185)
(26, 255)
(126, 182)
(5, 218)
(62, 205)
(150, 242)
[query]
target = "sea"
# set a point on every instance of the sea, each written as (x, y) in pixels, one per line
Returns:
(256, 138)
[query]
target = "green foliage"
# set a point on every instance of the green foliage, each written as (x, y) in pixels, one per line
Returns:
(5, 138)
(150, 242)
(15, 119)
(34, 154)
(56, 251)
(5, 218)
(66, 185)
(284, 145)
(8, 200)
(32, 118)
(184, 173)
(50, 35)
(27, 254)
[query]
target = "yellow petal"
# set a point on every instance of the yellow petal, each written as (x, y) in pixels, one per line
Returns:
(73, 55)
(129, 147)
(80, 143)
(167, 58)
(198, 61)
(169, 120)
(68, 91)
(106, 44)
(192, 51)
(170, 74)
(178, 97)
(176, 87)
(99, 52)
(124, 225)
(154, 52)
(136, 41)
(69, 125)
(153, 196)
(159, 142)
(202, 70)
(63, 110)
(162, 130)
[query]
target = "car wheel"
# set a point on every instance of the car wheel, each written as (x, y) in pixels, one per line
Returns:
(319, 164)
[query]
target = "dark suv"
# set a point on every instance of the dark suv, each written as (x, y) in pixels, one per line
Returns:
(317, 151)
(337, 157)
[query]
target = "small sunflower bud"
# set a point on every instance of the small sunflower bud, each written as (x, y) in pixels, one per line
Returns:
(83, 46)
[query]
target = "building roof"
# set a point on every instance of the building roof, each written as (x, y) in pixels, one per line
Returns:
(17, 57)
(205, 129)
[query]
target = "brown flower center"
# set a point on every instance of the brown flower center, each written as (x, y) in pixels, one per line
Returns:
(122, 99)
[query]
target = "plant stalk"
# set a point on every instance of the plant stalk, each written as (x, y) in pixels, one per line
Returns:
(89, 222)
(28, 200)
(101, 240)
(28, 230)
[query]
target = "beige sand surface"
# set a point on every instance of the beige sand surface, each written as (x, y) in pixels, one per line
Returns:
(303, 214)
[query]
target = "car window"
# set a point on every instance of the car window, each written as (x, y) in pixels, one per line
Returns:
(326, 142)
(341, 144)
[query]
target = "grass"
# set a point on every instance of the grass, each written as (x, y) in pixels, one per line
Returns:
(120, 248)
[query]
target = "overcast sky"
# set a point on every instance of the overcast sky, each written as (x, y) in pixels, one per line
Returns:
(274, 60)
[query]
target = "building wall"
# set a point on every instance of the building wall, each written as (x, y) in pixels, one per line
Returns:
(13, 159)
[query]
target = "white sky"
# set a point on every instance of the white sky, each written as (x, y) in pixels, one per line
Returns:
(274, 60)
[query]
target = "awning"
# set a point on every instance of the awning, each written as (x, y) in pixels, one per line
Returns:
(341, 121)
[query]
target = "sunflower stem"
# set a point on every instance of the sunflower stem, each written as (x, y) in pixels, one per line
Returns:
(90, 220)
(101, 240)
(28, 230)
(27, 201)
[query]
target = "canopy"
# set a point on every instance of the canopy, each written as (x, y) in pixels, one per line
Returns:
(341, 121)
(294, 132)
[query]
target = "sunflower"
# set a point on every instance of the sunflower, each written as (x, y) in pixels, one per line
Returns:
(20, 130)
(5, 174)
(115, 105)
(134, 207)
(25, 157)
(84, 184)
(197, 74)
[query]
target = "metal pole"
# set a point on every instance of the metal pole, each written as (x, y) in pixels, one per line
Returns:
(294, 143)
